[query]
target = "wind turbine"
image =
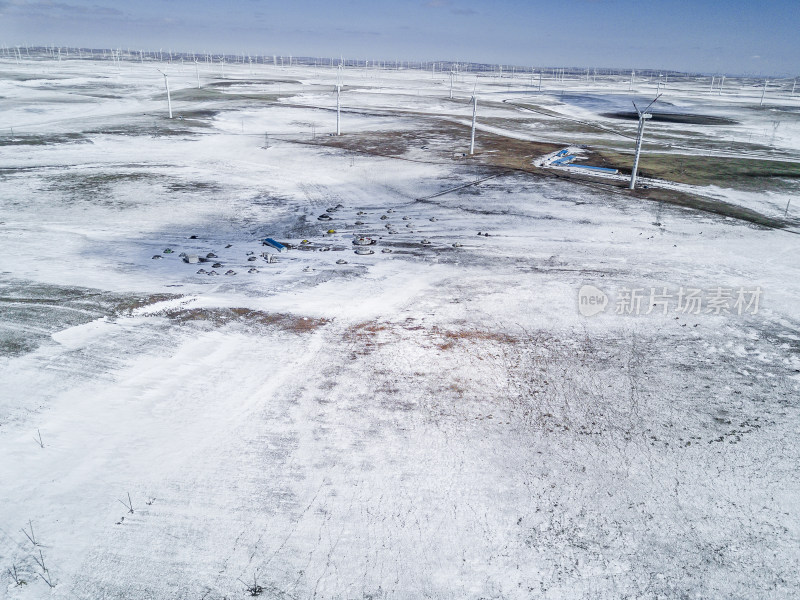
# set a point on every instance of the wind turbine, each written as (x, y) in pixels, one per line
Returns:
(643, 116)
(197, 72)
(169, 100)
(338, 91)
(474, 113)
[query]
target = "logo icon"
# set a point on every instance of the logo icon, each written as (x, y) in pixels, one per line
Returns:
(591, 300)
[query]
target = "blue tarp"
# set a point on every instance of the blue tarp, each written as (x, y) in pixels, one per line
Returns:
(277, 245)
(566, 159)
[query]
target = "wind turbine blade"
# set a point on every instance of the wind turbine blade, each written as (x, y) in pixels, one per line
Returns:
(653, 102)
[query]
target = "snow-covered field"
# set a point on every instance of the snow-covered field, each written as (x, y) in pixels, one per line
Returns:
(437, 419)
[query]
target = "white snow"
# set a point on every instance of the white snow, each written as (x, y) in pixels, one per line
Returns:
(437, 421)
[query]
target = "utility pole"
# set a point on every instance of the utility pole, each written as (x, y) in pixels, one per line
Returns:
(764, 91)
(169, 100)
(643, 116)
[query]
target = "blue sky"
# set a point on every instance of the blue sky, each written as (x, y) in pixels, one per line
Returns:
(738, 36)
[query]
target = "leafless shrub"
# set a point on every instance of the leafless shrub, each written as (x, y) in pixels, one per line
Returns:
(128, 504)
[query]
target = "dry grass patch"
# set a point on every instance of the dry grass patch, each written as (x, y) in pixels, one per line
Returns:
(246, 316)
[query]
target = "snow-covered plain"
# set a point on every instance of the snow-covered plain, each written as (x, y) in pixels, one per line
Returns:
(438, 421)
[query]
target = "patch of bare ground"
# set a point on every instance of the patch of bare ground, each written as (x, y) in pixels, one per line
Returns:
(452, 338)
(444, 140)
(382, 143)
(126, 306)
(219, 317)
(362, 337)
(493, 150)
(371, 334)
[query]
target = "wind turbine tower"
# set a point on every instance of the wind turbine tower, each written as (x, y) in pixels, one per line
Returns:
(338, 91)
(169, 99)
(643, 116)
(474, 113)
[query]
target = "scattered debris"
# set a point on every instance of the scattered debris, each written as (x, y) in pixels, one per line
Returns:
(384, 217)
(192, 237)
(359, 222)
(457, 245)
(386, 251)
(433, 219)
(191, 259)
(330, 231)
(229, 246)
(425, 242)
(251, 258)
(364, 241)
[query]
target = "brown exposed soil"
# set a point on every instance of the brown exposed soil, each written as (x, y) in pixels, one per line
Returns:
(245, 316)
